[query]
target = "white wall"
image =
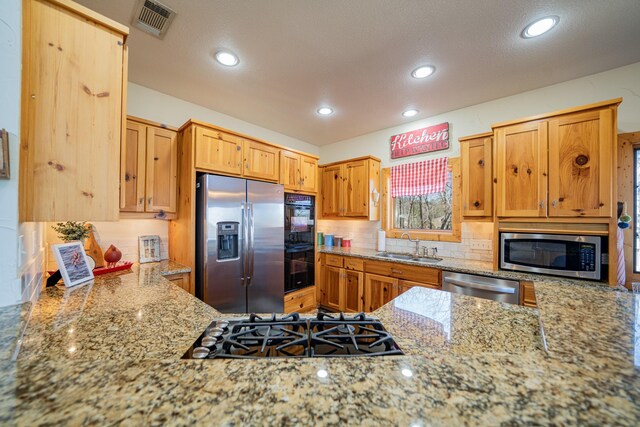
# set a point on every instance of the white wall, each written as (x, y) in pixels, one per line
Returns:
(21, 245)
(153, 105)
(621, 82)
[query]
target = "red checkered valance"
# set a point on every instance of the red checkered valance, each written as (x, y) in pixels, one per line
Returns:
(420, 178)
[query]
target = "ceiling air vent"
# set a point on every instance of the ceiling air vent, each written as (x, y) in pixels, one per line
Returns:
(153, 17)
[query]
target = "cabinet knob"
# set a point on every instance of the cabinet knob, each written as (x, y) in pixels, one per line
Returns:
(141, 200)
(542, 204)
(150, 200)
(476, 204)
(554, 203)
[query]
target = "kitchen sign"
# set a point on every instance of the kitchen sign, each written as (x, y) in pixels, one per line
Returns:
(420, 141)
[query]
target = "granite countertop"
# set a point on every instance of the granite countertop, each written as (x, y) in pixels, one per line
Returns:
(573, 360)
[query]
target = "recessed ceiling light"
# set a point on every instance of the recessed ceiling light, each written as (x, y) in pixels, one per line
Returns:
(410, 113)
(325, 111)
(540, 26)
(227, 58)
(424, 71)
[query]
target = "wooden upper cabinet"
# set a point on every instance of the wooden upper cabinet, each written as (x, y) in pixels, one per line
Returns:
(331, 190)
(578, 145)
(347, 189)
(477, 175)
(73, 87)
(308, 174)
(217, 151)
(290, 170)
(148, 168)
(298, 172)
(356, 188)
(162, 170)
(580, 164)
(132, 168)
(522, 170)
(261, 161)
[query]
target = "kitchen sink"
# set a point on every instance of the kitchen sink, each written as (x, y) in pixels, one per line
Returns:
(407, 257)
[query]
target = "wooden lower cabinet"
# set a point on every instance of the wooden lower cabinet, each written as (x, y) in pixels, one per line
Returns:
(405, 285)
(332, 281)
(352, 289)
(300, 301)
(181, 280)
(527, 294)
(378, 290)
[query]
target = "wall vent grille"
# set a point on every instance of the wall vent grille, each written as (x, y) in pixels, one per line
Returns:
(153, 17)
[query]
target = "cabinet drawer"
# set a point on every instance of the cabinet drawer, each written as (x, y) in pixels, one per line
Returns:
(424, 275)
(353, 264)
(300, 301)
(333, 260)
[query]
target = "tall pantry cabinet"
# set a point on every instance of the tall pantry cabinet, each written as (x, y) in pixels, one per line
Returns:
(73, 102)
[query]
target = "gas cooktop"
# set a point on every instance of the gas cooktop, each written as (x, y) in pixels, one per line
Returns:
(326, 335)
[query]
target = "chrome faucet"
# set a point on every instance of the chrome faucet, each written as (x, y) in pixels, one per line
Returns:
(416, 241)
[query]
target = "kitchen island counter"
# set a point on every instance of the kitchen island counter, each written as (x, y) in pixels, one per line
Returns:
(570, 361)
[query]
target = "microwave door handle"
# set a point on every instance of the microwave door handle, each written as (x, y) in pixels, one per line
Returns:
(475, 285)
(251, 243)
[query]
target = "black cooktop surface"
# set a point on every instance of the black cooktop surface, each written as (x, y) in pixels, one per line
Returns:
(326, 335)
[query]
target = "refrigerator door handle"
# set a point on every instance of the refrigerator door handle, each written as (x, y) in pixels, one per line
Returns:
(251, 243)
(245, 244)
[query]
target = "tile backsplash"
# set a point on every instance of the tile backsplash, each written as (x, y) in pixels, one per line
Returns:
(122, 234)
(477, 243)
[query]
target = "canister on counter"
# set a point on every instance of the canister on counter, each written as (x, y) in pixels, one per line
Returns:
(320, 239)
(328, 239)
(338, 241)
(346, 243)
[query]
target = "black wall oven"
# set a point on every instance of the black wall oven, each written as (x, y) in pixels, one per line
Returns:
(299, 241)
(583, 257)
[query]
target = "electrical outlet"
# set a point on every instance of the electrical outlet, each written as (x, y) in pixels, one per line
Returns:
(22, 252)
(481, 244)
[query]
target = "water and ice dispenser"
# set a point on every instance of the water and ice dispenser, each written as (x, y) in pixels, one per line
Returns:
(228, 240)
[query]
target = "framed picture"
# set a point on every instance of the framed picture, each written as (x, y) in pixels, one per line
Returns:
(4, 154)
(149, 248)
(72, 262)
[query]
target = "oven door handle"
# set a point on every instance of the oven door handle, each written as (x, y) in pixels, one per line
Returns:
(482, 286)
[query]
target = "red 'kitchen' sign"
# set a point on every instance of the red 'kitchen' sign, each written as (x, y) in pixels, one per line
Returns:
(425, 140)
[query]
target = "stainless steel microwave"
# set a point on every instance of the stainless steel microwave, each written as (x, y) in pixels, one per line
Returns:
(583, 257)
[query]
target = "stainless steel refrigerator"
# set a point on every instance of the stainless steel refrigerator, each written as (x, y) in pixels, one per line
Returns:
(240, 244)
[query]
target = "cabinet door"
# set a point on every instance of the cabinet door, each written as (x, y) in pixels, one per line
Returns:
(261, 161)
(331, 191)
(333, 280)
(580, 150)
(352, 290)
(522, 170)
(132, 168)
(308, 174)
(72, 103)
(476, 177)
(356, 189)
(405, 285)
(218, 151)
(378, 290)
(162, 169)
(290, 170)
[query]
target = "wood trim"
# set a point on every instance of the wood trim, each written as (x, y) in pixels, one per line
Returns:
(610, 102)
(598, 229)
(455, 235)
(476, 136)
(151, 123)
(147, 215)
(627, 142)
(91, 15)
(25, 192)
(242, 135)
(351, 160)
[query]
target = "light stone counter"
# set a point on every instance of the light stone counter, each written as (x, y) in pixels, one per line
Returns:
(573, 360)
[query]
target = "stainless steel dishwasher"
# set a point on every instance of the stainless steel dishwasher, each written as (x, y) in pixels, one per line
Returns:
(482, 287)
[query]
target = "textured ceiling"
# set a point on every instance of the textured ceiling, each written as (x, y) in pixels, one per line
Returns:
(357, 55)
